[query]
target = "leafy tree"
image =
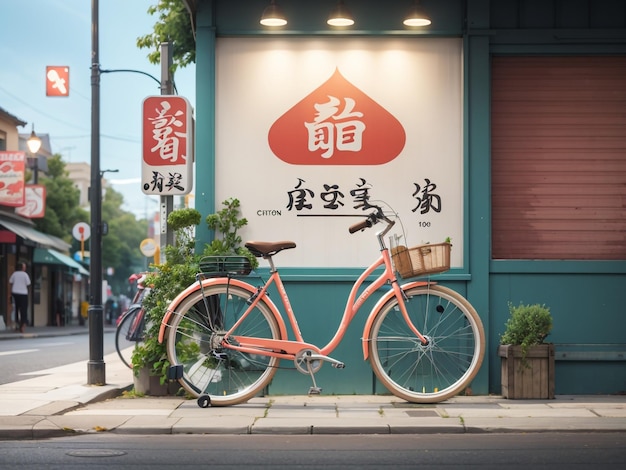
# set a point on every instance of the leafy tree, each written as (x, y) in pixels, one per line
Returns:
(174, 25)
(120, 247)
(62, 199)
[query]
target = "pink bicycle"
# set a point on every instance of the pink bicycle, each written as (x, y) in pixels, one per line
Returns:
(226, 337)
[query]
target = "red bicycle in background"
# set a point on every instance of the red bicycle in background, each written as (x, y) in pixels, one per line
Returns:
(131, 325)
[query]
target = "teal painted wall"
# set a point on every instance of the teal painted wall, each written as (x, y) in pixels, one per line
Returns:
(587, 298)
(319, 306)
(587, 310)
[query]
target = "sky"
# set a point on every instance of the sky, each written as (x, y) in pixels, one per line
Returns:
(38, 33)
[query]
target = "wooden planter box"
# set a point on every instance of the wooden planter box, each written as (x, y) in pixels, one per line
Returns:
(147, 384)
(535, 380)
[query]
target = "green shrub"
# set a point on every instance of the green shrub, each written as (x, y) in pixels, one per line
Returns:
(166, 282)
(226, 223)
(179, 271)
(527, 326)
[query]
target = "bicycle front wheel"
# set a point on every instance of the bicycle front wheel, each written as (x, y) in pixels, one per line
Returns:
(195, 341)
(125, 337)
(442, 368)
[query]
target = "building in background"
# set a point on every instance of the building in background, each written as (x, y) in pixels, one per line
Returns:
(58, 282)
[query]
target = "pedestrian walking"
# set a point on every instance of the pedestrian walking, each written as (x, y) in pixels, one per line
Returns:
(20, 281)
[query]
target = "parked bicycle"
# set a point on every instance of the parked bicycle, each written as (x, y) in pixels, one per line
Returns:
(226, 337)
(131, 325)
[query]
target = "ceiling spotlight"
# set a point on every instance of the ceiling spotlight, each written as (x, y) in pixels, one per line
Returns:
(416, 16)
(273, 16)
(340, 16)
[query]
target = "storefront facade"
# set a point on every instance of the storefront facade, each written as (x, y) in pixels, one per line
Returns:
(500, 125)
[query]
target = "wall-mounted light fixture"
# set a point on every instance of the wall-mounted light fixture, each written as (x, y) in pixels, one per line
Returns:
(416, 16)
(273, 16)
(340, 16)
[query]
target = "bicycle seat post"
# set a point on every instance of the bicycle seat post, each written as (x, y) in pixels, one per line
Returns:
(270, 261)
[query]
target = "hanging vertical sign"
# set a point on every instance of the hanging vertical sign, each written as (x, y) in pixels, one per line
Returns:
(57, 80)
(12, 165)
(167, 143)
(34, 202)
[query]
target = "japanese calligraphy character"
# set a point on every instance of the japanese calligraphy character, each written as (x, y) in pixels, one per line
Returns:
(361, 195)
(331, 196)
(346, 134)
(297, 197)
(156, 183)
(428, 199)
(167, 139)
(173, 181)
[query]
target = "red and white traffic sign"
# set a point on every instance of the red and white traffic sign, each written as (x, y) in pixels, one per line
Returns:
(57, 80)
(81, 231)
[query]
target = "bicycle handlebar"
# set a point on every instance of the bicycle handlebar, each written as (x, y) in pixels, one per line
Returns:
(369, 221)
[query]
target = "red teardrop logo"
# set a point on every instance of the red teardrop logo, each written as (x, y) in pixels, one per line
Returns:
(337, 124)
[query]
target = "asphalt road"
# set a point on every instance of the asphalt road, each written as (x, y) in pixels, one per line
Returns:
(23, 357)
(484, 451)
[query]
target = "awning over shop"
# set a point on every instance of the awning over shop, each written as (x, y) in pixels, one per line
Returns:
(36, 236)
(48, 256)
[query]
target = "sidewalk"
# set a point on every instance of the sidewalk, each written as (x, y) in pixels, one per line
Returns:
(57, 402)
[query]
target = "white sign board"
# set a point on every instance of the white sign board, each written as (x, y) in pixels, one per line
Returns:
(310, 133)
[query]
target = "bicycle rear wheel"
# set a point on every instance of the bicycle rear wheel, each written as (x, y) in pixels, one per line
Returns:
(439, 370)
(194, 341)
(126, 338)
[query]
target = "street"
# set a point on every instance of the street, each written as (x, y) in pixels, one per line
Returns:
(511, 451)
(22, 357)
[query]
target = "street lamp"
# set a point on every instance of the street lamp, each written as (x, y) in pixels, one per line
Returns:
(96, 373)
(34, 144)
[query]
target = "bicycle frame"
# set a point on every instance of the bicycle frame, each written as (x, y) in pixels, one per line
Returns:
(286, 348)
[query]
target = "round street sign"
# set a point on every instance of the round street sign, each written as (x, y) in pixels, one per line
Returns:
(148, 247)
(81, 231)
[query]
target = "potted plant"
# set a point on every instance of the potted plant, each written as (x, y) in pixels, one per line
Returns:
(226, 224)
(150, 363)
(527, 363)
(179, 271)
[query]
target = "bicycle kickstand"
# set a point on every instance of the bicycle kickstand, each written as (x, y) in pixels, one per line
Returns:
(314, 390)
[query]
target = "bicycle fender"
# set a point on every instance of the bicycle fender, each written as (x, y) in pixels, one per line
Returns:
(382, 301)
(209, 282)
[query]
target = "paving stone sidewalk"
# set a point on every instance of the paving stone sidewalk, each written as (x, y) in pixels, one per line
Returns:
(57, 402)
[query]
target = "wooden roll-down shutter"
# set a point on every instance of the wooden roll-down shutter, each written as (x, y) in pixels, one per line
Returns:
(558, 143)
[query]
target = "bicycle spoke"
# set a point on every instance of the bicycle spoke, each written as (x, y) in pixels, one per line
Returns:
(439, 369)
(209, 366)
(128, 333)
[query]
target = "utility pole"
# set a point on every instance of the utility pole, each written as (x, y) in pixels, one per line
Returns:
(166, 202)
(95, 367)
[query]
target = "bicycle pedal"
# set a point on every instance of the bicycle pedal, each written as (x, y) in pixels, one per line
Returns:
(175, 372)
(220, 356)
(339, 365)
(315, 391)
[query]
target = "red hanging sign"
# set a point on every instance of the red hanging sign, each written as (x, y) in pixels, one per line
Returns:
(57, 80)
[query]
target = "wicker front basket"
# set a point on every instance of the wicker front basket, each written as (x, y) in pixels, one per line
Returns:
(421, 260)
